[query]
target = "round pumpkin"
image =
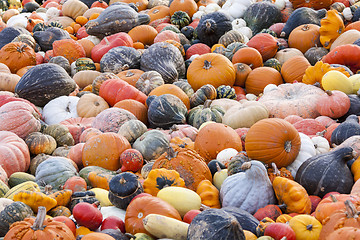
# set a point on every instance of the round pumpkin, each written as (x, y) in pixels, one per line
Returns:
(17, 55)
(214, 138)
(90, 105)
(130, 76)
(294, 69)
(188, 6)
(305, 37)
(104, 150)
(135, 107)
(171, 89)
(249, 56)
(281, 145)
(144, 34)
(211, 68)
(260, 77)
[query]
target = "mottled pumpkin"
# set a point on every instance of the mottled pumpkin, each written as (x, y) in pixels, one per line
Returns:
(158, 179)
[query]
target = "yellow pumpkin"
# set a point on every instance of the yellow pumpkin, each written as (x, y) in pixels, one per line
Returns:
(182, 199)
(306, 227)
(35, 200)
(82, 231)
(335, 80)
(209, 194)
(161, 178)
(331, 28)
(293, 195)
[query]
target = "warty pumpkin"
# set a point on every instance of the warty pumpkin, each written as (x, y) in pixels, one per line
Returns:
(135, 107)
(260, 146)
(158, 179)
(187, 162)
(331, 27)
(210, 68)
(17, 55)
(209, 194)
(111, 119)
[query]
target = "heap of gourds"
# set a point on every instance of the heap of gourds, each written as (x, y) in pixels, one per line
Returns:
(180, 119)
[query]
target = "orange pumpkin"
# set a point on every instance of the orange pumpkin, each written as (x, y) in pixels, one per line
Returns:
(158, 12)
(68, 48)
(104, 150)
(188, 163)
(188, 6)
(257, 79)
(242, 72)
(144, 34)
(166, 35)
(90, 105)
(211, 68)
(265, 43)
(315, 4)
(130, 76)
(215, 137)
(23, 70)
(140, 207)
(17, 55)
(140, 4)
(87, 45)
(249, 56)
(171, 89)
(135, 107)
(96, 236)
(294, 69)
(281, 145)
(304, 37)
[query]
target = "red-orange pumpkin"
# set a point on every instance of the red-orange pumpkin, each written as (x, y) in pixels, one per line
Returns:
(68, 48)
(135, 107)
(265, 43)
(17, 55)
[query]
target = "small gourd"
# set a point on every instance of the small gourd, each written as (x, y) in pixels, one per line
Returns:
(35, 200)
(219, 177)
(158, 179)
(209, 194)
(350, 127)
(204, 113)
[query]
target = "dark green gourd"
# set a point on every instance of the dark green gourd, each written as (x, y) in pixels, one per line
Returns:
(327, 172)
(350, 127)
(247, 221)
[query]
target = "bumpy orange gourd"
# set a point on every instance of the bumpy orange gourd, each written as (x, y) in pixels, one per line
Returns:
(209, 194)
(158, 179)
(17, 55)
(332, 26)
(68, 48)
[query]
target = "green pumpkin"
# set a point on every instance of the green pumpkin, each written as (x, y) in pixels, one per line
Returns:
(171, 28)
(86, 170)
(185, 86)
(123, 188)
(204, 113)
(39, 27)
(236, 163)
(84, 64)
(204, 93)
(16, 211)
(273, 63)
(269, 31)
(3, 189)
(20, 177)
(61, 134)
(225, 91)
(180, 19)
(55, 171)
(78, 197)
(232, 48)
(55, 24)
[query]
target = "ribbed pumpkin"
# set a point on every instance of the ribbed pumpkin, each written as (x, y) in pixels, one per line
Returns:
(304, 37)
(281, 145)
(104, 150)
(257, 79)
(135, 107)
(188, 6)
(90, 105)
(187, 162)
(249, 56)
(144, 34)
(215, 137)
(17, 55)
(171, 89)
(265, 43)
(210, 68)
(294, 69)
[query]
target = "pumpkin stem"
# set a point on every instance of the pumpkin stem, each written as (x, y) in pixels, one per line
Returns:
(122, 181)
(40, 218)
(174, 128)
(204, 207)
(47, 189)
(329, 93)
(282, 207)
(321, 134)
(351, 211)
(309, 227)
(171, 153)
(276, 170)
(207, 103)
(287, 146)
(129, 74)
(333, 198)
(246, 166)
(207, 65)
(305, 27)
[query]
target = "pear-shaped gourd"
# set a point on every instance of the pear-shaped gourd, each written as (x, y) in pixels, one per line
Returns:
(249, 190)
(345, 130)
(327, 172)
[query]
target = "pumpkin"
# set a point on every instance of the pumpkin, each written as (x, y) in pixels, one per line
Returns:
(120, 58)
(167, 56)
(158, 179)
(288, 140)
(341, 54)
(40, 143)
(96, 150)
(234, 195)
(140, 4)
(140, 207)
(60, 133)
(255, 83)
(151, 144)
(188, 6)
(190, 165)
(203, 113)
(13, 212)
(98, 81)
(111, 119)
(60, 211)
(209, 149)
(130, 76)
(35, 200)
(17, 55)
(68, 48)
(265, 43)
(171, 89)
(242, 72)
(148, 81)
(317, 184)
(304, 37)
(342, 133)
(294, 69)
(74, 8)
(249, 56)
(333, 104)
(158, 12)
(305, 227)
(205, 92)
(269, 211)
(60, 109)
(132, 130)
(90, 105)
(331, 27)
(289, 99)
(135, 107)
(209, 194)
(62, 197)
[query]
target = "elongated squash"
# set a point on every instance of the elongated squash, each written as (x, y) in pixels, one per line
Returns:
(27, 186)
(165, 227)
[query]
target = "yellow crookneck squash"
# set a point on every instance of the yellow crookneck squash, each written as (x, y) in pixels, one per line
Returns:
(331, 28)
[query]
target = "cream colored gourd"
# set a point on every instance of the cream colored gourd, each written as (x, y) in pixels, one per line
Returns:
(335, 80)
(355, 81)
(225, 103)
(60, 109)
(165, 227)
(182, 199)
(85, 77)
(348, 37)
(219, 178)
(225, 155)
(321, 144)
(245, 115)
(74, 8)
(102, 196)
(307, 150)
(249, 190)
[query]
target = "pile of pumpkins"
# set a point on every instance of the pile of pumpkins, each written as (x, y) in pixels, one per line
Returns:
(180, 119)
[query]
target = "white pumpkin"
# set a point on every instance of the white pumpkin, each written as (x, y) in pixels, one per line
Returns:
(249, 190)
(19, 20)
(225, 103)
(280, 4)
(112, 211)
(225, 155)
(52, 12)
(251, 97)
(236, 8)
(60, 109)
(95, 40)
(269, 88)
(239, 25)
(307, 150)
(321, 144)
